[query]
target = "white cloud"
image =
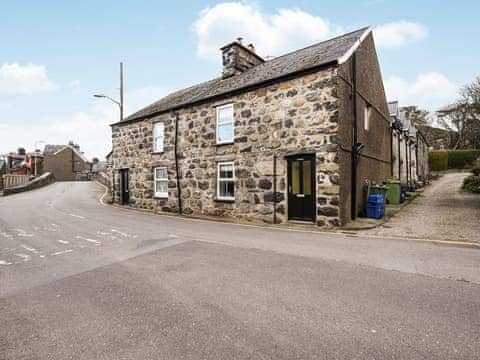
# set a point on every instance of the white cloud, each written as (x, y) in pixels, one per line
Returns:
(272, 34)
(399, 34)
(429, 91)
(24, 79)
(74, 85)
(90, 128)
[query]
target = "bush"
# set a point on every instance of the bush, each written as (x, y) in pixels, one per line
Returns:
(438, 160)
(471, 184)
(461, 159)
(476, 170)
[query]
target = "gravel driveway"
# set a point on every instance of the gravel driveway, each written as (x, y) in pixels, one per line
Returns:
(441, 212)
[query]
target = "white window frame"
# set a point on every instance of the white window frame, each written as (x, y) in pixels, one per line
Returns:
(219, 179)
(217, 123)
(367, 116)
(156, 136)
(160, 194)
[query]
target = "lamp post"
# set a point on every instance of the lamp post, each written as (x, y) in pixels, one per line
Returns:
(120, 105)
(36, 154)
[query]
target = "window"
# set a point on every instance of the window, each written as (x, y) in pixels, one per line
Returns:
(367, 115)
(225, 124)
(158, 134)
(161, 182)
(226, 181)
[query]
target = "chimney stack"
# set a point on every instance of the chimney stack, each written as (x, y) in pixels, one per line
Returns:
(237, 58)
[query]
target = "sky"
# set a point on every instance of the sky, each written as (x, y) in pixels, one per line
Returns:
(54, 55)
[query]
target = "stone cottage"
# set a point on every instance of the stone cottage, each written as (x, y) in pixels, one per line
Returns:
(289, 139)
(409, 148)
(66, 162)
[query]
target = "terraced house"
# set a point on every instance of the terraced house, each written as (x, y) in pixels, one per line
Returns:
(289, 139)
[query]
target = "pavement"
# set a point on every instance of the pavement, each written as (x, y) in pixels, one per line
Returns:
(442, 212)
(80, 280)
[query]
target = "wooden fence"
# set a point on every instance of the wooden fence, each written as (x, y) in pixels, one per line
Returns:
(10, 181)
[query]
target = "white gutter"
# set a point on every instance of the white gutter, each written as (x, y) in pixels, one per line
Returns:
(354, 47)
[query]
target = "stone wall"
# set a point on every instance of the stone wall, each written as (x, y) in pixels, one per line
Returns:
(294, 116)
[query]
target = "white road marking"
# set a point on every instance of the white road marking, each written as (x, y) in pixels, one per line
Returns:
(23, 233)
(63, 241)
(77, 216)
(61, 252)
(3, 262)
(119, 233)
(7, 235)
(172, 236)
(28, 248)
(96, 242)
(25, 257)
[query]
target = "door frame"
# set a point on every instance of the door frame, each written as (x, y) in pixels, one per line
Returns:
(290, 159)
(124, 187)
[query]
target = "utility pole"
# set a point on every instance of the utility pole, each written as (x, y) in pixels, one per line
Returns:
(120, 105)
(121, 91)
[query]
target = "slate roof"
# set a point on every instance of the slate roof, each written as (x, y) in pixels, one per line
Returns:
(51, 149)
(321, 54)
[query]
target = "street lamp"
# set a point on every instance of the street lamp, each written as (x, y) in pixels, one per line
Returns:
(119, 103)
(36, 154)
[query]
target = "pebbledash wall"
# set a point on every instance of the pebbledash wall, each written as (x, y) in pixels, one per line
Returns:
(298, 116)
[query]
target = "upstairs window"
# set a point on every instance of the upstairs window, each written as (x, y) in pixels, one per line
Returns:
(161, 182)
(225, 124)
(226, 181)
(367, 116)
(158, 136)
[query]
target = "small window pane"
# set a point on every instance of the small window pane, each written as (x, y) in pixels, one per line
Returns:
(227, 189)
(307, 177)
(158, 134)
(162, 186)
(225, 132)
(226, 171)
(161, 173)
(225, 114)
(295, 177)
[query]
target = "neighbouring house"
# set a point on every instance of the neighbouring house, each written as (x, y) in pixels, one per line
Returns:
(23, 163)
(289, 139)
(409, 148)
(66, 162)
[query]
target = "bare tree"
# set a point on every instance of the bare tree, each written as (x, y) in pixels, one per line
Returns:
(464, 114)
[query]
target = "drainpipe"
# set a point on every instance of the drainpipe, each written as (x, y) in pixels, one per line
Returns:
(179, 190)
(399, 157)
(391, 151)
(355, 140)
(274, 188)
(407, 163)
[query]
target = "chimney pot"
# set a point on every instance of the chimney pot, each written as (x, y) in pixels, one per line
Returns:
(251, 47)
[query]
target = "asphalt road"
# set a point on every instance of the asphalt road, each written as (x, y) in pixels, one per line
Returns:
(79, 280)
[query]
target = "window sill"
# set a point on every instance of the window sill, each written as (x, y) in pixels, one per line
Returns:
(224, 143)
(161, 197)
(157, 152)
(229, 201)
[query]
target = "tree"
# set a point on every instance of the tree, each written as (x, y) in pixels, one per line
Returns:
(464, 114)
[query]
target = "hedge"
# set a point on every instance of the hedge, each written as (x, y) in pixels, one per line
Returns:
(460, 159)
(438, 160)
(442, 160)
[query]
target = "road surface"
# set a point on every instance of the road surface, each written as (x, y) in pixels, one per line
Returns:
(79, 280)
